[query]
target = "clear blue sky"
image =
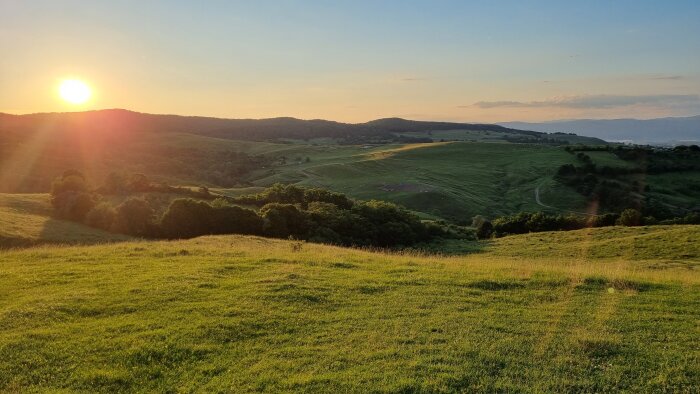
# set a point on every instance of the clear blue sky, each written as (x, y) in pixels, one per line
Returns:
(356, 60)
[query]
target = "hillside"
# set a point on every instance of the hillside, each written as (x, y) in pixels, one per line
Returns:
(234, 313)
(641, 131)
(26, 219)
(34, 149)
(455, 180)
(453, 174)
(124, 121)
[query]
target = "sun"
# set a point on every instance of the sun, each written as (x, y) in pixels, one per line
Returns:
(74, 91)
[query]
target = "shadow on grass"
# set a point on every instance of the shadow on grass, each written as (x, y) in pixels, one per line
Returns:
(455, 247)
(56, 231)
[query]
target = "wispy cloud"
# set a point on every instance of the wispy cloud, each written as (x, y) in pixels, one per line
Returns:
(595, 101)
(666, 77)
(412, 79)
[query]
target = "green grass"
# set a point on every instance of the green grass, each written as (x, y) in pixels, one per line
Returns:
(594, 313)
(25, 219)
(454, 180)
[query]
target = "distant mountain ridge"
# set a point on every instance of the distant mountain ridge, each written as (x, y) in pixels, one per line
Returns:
(660, 130)
(123, 121)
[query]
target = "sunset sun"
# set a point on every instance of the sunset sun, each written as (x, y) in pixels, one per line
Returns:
(74, 91)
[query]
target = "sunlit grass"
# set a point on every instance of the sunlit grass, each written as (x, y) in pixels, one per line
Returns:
(232, 313)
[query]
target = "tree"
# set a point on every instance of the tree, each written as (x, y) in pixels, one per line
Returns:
(391, 224)
(73, 205)
(139, 183)
(70, 196)
(322, 195)
(135, 217)
(284, 194)
(115, 183)
(236, 220)
(70, 181)
(101, 216)
(284, 220)
(484, 228)
(186, 218)
(630, 217)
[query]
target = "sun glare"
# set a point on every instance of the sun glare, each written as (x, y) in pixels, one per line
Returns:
(74, 91)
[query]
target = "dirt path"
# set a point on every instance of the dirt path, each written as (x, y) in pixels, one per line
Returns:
(537, 198)
(540, 203)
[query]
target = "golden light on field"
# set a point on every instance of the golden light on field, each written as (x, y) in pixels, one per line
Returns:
(74, 91)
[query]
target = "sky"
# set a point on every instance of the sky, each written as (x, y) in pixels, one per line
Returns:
(353, 61)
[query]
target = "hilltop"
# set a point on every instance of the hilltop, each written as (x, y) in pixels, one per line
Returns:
(128, 122)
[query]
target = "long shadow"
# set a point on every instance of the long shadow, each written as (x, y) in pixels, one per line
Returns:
(456, 247)
(61, 232)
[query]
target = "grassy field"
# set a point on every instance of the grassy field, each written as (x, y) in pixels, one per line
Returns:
(476, 172)
(25, 219)
(587, 311)
(454, 180)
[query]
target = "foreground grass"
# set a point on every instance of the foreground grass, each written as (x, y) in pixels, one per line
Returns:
(236, 314)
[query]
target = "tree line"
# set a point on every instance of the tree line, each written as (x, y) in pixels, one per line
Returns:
(619, 188)
(526, 222)
(281, 211)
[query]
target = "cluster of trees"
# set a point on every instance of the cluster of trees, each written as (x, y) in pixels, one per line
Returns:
(618, 188)
(284, 211)
(525, 222)
(648, 160)
(120, 184)
(538, 139)
(225, 168)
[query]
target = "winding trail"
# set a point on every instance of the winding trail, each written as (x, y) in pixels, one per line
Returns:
(540, 203)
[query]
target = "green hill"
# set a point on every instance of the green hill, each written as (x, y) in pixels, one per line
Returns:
(25, 219)
(582, 311)
(36, 148)
(455, 180)
(477, 169)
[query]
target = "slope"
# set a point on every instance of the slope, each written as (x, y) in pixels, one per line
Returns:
(249, 314)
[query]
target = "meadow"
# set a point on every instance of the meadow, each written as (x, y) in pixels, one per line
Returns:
(586, 310)
(27, 219)
(452, 180)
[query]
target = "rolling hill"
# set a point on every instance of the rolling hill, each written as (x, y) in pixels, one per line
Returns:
(128, 122)
(451, 174)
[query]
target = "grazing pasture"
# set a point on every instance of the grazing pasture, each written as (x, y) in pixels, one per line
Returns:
(586, 310)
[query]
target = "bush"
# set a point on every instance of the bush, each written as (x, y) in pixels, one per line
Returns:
(101, 216)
